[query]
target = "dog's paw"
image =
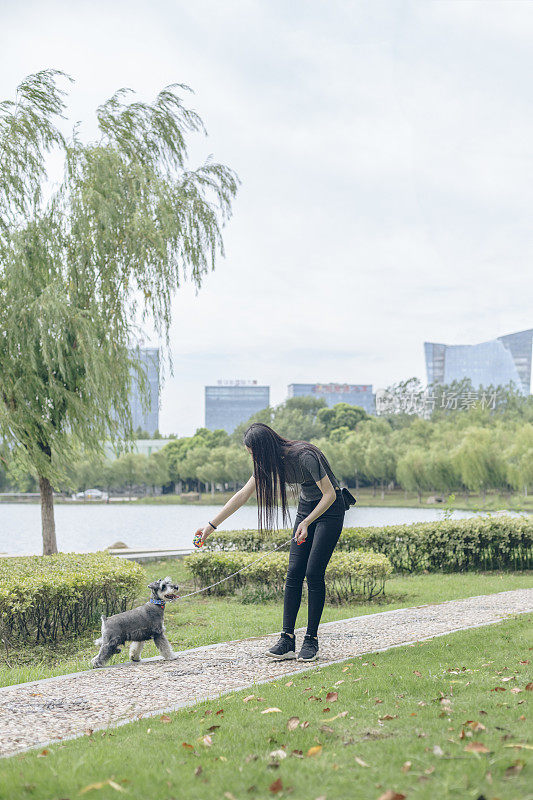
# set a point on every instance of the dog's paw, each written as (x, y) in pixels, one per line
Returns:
(95, 663)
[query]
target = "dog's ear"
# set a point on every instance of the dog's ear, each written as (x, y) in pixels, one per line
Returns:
(154, 586)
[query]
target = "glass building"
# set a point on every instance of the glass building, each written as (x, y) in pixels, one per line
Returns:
(231, 402)
(147, 419)
(494, 363)
(333, 393)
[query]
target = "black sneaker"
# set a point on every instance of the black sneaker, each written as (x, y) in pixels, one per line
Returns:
(284, 649)
(309, 651)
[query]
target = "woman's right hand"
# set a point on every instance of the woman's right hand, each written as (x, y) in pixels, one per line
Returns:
(204, 532)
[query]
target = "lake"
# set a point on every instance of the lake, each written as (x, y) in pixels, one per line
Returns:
(85, 528)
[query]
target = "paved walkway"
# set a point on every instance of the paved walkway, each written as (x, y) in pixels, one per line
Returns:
(37, 713)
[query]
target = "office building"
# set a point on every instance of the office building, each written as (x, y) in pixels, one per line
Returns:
(146, 418)
(231, 402)
(333, 393)
(493, 363)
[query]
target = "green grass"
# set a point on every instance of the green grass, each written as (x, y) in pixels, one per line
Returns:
(401, 722)
(204, 620)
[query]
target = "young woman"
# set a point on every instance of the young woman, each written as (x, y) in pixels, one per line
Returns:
(318, 525)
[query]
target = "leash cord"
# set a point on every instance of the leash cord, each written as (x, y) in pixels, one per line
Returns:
(227, 578)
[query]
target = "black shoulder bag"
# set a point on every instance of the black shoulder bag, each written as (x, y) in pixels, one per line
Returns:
(348, 498)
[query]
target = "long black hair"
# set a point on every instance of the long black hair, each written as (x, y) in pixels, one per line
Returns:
(267, 448)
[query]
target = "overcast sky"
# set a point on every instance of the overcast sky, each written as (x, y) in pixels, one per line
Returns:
(385, 152)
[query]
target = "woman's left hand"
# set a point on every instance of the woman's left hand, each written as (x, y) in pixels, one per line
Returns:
(301, 533)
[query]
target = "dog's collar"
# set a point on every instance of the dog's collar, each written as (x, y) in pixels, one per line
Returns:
(157, 602)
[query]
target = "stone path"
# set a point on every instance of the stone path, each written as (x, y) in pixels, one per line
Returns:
(37, 713)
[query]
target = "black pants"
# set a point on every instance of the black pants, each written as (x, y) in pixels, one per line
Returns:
(309, 560)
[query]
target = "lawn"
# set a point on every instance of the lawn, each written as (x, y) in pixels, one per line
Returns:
(448, 718)
(206, 620)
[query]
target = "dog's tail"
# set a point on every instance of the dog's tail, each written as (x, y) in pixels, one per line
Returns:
(99, 640)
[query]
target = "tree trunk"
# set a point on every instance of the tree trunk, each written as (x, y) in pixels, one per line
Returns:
(47, 517)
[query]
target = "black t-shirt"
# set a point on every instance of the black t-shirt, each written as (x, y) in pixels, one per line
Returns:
(304, 468)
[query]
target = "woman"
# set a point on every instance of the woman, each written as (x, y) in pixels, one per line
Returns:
(318, 524)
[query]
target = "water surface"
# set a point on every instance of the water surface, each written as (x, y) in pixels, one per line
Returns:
(85, 527)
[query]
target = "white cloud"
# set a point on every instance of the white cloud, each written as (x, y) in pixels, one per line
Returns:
(386, 157)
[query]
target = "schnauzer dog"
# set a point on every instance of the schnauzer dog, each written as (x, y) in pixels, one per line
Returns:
(138, 625)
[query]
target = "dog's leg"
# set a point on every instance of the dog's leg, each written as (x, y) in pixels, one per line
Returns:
(107, 650)
(136, 650)
(164, 647)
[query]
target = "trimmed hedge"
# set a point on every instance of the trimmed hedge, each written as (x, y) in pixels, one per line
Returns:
(43, 598)
(478, 543)
(349, 575)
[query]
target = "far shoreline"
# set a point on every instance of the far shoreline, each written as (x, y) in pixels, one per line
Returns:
(365, 499)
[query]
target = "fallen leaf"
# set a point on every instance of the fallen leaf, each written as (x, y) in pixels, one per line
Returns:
(514, 769)
(314, 751)
(289, 683)
(520, 746)
(437, 750)
(297, 753)
(529, 687)
(165, 718)
(293, 723)
(378, 701)
(388, 716)
(187, 746)
(198, 771)
(221, 711)
(476, 726)
(273, 710)
(338, 683)
(43, 753)
(406, 766)
(331, 697)
(304, 725)
(390, 795)
(325, 710)
(516, 690)
(476, 747)
(278, 755)
(213, 728)
(100, 785)
(500, 689)
(247, 699)
(229, 796)
(326, 729)
(417, 673)
(360, 762)
(276, 787)
(337, 716)
(207, 740)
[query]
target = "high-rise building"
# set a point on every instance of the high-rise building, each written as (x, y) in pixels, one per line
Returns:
(147, 419)
(333, 393)
(231, 402)
(496, 363)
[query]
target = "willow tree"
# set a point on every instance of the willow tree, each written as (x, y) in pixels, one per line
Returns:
(86, 261)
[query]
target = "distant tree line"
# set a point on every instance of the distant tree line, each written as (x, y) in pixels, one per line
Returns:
(475, 449)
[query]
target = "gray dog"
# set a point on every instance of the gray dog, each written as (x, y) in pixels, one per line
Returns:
(138, 625)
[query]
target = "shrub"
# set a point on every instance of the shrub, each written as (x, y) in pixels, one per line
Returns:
(43, 598)
(348, 575)
(478, 543)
